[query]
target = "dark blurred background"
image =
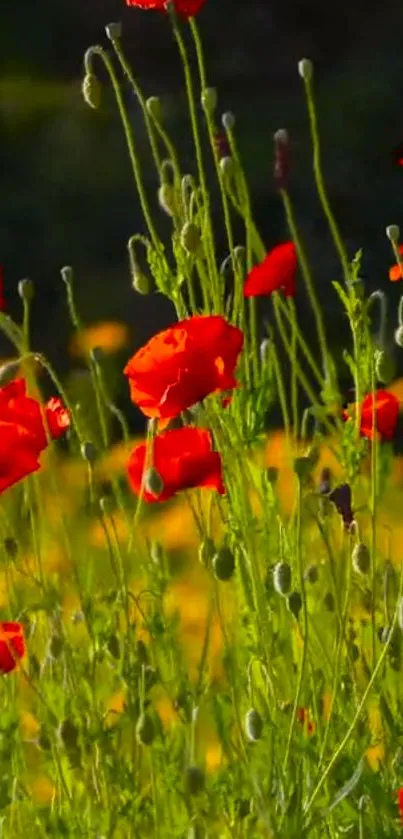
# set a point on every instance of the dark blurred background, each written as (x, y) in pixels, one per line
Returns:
(67, 195)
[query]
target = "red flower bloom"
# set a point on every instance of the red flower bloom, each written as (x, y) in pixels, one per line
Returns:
(386, 414)
(22, 431)
(187, 8)
(304, 718)
(276, 272)
(395, 272)
(400, 802)
(12, 645)
(183, 364)
(184, 458)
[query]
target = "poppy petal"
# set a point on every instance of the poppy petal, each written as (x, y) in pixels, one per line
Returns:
(276, 272)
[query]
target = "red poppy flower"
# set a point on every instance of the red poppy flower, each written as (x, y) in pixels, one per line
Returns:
(184, 458)
(183, 364)
(12, 645)
(395, 272)
(187, 8)
(22, 431)
(386, 414)
(276, 272)
(400, 802)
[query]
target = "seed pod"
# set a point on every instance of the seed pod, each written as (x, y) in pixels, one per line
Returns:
(294, 603)
(361, 558)
(312, 574)
(190, 237)
(153, 482)
(145, 731)
(207, 551)
(224, 564)
(195, 780)
(282, 577)
(385, 366)
(91, 90)
(253, 725)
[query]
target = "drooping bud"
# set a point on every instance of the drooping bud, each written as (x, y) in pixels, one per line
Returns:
(209, 100)
(282, 577)
(140, 281)
(281, 158)
(361, 558)
(167, 199)
(305, 69)
(253, 725)
(190, 237)
(153, 105)
(113, 31)
(385, 366)
(67, 274)
(228, 120)
(224, 564)
(145, 730)
(26, 290)
(195, 780)
(294, 603)
(264, 350)
(399, 336)
(91, 90)
(393, 233)
(153, 482)
(312, 574)
(88, 451)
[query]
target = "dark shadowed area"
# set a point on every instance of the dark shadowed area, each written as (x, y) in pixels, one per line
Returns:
(67, 193)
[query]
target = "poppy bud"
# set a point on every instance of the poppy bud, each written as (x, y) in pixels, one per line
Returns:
(56, 645)
(206, 552)
(272, 474)
(354, 652)
(281, 158)
(303, 467)
(294, 603)
(145, 730)
(67, 274)
(114, 646)
(195, 780)
(399, 336)
(253, 725)
(224, 564)
(264, 350)
(328, 602)
(361, 558)
(8, 372)
(91, 90)
(385, 366)
(190, 237)
(227, 166)
(282, 577)
(113, 31)
(209, 100)
(166, 198)
(305, 69)
(153, 105)
(140, 281)
(88, 451)
(26, 290)
(393, 233)
(153, 482)
(228, 120)
(10, 547)
(68, 733)
(312, 574)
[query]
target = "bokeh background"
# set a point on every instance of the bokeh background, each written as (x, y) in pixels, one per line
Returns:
(67, 195)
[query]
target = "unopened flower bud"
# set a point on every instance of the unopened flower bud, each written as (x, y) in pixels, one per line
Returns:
(209, 100)
(11, 547)
(264, 350)
(106, 505)
(311, 574)
(8, 372)
(294, 603)
(153, 482)
(140, 281)
(224, 564)
(91, 90)
(361, 558)
(272, 474)
(393, 233)
(67, 274)
(305, 69)
(190, 237)
(26, 290)
(282, 577)
(253, 725)
(227, 166)
(68, 733)
(385, 366)
(153, 105)
(399, 608)
(88, 451)
(145, 730)
(328, 601)
(166, 198)
(399, 336)
(113, 31)
(281, 158)
(228, 120)
(303, 467)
